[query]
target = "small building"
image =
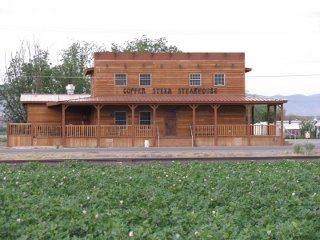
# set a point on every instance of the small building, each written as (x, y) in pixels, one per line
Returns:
(292, 128)
(152, 99)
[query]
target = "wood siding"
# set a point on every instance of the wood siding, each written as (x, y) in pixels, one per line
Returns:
(169, 74)
(40, 113)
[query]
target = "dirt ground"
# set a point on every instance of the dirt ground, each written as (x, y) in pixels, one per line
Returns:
(47, 153)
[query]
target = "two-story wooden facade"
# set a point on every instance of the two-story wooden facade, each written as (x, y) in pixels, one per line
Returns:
(156, 99)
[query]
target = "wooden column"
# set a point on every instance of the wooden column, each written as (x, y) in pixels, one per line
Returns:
(193, 107)
(248, 108)
(63, 124)
(281, 119)
(154, 111)
(215, 133)
(98, 108)
(275, 119)
(268, 120)
(133, 135)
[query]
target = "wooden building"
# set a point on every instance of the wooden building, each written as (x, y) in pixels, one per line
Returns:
(153, 99)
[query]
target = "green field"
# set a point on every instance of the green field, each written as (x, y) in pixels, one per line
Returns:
(74, 200)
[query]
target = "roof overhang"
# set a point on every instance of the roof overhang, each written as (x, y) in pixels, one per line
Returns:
(170, 100)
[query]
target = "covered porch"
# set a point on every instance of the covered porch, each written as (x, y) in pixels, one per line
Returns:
(183, 121)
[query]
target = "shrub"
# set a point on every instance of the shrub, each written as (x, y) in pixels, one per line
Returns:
(308, 148)
(297, 148)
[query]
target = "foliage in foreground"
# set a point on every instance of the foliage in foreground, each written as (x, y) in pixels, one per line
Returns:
(175, 201)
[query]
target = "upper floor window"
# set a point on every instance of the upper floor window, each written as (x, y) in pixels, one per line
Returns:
(120, 79)
(145, 79)
(219, 79)
(194, 79)
(145, 118)
(120, 118)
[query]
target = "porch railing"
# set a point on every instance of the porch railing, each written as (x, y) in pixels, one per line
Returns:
(235, 130)
(47, 130)
(81, 131)
(19, 129)
(112, 131)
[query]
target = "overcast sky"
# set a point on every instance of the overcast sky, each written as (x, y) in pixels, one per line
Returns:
(281, 38)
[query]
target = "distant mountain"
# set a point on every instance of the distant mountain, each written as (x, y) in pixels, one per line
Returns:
(301, 105)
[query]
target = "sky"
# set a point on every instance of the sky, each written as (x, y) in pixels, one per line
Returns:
(280, 38)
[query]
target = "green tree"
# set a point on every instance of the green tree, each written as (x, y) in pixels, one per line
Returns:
(27, 73)
(308, 126)
(71, 70)
(145, 44)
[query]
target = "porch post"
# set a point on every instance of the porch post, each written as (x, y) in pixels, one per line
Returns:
(133, 135)
(98, 108)
(193, 107)
(248, 107)
(154, 110)
(275, 119)
(281, 119)
(215, 133)
(268, 120)
(63, 122)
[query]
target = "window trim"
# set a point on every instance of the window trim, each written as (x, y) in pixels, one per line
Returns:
(144, 80)
(190, 74)
(115, 120)
(150, 120)
(115, 82)
(224, 79)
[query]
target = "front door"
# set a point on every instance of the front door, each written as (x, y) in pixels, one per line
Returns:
(170, 124)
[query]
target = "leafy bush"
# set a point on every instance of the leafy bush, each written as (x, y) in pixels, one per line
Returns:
(3, 130)
(306, 148)
(75, 200)
(309, 148)
(297, 148)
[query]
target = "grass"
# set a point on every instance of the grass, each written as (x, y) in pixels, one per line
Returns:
(75, 200)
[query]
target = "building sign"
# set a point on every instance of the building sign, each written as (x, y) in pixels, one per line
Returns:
(166, 91)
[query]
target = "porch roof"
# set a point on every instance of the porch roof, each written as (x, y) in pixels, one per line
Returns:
(169, 100)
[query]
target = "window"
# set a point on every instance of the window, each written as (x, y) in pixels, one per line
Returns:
(120, 118)
(145, 79)
(219, 79)
(120, 79)
(194, 79)
(145, 118)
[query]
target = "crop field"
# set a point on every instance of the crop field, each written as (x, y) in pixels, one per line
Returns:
(77, 200)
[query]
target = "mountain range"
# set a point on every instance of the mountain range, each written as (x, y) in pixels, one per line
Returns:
(301, 105)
